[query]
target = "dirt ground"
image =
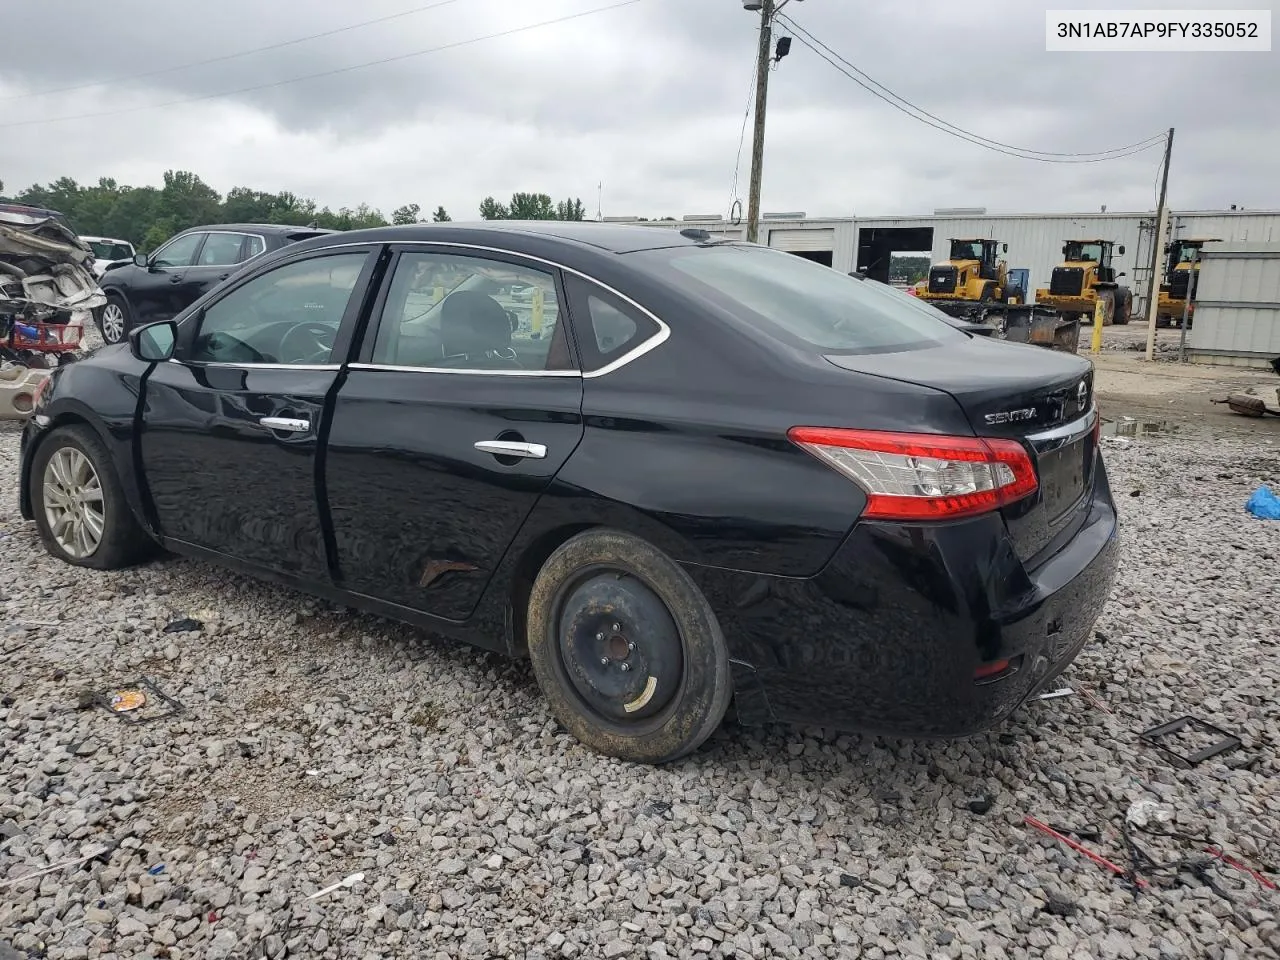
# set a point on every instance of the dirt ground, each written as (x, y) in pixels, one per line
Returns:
(1166, 396)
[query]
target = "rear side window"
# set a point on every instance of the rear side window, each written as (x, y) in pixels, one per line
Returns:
(253, 245)
(801, 302)
(608, 327)
(220, 250)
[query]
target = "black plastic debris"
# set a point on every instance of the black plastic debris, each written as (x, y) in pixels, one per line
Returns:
(1160, 738)
(185, 625)
(849, 880)
(981, 805)
(1059, 906)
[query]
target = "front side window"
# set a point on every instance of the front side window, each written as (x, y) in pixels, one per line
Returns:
(800, 302)
(288, 315)
(446, 311)
(221, 250)
(178, 252)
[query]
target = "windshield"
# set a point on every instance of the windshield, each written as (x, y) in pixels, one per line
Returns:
(1183, 253)
(966, 249)
(110, 250)
(804, 303)
(1084, 251)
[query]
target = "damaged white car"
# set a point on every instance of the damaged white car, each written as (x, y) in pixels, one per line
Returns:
(48, 293)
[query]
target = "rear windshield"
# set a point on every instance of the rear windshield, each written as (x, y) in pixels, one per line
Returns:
(109, 250)
(803, 302)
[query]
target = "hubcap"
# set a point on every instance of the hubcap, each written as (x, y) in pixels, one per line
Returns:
(73, 502)
(620, 647)
(112, 323)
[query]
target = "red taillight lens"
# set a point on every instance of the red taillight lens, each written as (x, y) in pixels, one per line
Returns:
(38, 392)
(922, 476)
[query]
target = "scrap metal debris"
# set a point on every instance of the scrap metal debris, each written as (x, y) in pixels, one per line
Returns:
(98, 852)
(345, 882)
(130, 702)
(1158, 737)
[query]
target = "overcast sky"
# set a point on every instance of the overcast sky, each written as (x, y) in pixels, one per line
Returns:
(648, 98)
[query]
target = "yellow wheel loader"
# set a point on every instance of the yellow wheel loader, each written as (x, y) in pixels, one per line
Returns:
(971, 275)
(1084, 278)
(1181, 276)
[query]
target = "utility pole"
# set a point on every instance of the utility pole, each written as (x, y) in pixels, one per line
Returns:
(1157, 251)
(762, 101)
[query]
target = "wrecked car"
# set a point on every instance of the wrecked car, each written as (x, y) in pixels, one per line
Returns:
(48, 293)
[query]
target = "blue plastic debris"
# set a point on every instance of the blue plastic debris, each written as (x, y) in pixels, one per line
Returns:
(156, 870)
(1264, 504)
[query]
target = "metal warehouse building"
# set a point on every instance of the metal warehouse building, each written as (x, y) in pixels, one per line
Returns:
(1035, 240)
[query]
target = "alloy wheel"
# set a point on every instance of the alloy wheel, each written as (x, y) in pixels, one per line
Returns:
(73, 502)
(112, 323)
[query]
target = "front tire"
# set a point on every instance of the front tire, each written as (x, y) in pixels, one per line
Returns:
(79, 503)
(1124, 306)
(626, 649)
(114, 319)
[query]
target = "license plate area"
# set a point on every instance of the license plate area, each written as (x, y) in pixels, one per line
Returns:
(1064, 474)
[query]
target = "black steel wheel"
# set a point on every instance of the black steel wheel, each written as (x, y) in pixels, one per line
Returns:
(626, 649)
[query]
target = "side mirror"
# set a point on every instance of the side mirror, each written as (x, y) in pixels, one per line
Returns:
(155, 342)
(1120, 274)
(1006, 248)
(140, 260)
(1120, 249)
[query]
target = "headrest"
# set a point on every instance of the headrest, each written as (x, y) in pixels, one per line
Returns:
(473, 323)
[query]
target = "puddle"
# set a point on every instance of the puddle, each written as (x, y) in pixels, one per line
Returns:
(1132, 427)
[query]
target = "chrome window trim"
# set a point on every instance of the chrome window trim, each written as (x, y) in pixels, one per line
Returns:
(639, 350)
(200, 364)
(394, 368)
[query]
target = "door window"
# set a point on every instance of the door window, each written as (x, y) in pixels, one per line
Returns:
(445, 311)
(288, 315)
(253, 245)
(221, 250)
(179, 251)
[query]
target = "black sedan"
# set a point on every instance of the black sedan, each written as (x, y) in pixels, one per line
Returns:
(671, 470)
(160, 285)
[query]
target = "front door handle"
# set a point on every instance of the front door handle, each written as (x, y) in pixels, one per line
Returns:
(286, 424)
(512, 448)
(174, 279)
(223, 277)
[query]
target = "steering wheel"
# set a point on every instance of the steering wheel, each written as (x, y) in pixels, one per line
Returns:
(309, 341)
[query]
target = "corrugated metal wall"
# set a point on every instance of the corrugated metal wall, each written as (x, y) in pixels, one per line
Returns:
(1238, 305)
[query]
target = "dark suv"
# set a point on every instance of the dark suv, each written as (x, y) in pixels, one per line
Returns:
(159, 285)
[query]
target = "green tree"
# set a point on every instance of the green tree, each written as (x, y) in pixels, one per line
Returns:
(491, 209)
(570, 210)
(187, 201)
(531, 206)
(440, 216)
(406, 214)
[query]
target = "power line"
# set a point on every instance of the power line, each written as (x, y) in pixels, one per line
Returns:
(742, 139)
(917, 113)
(232, 56)
(323, 73)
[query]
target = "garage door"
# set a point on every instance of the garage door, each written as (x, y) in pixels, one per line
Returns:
(803, 240)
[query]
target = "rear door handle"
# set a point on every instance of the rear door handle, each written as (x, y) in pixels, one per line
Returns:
(175, 279)
(512, 448)
(223, 277)
(285, 424)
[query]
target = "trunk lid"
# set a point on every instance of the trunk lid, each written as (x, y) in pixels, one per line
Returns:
(1040, 397)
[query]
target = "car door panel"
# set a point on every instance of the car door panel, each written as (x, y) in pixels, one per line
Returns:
(421, 515)
(155, 293)
(221, 478)
(230, 447)
(218, 259)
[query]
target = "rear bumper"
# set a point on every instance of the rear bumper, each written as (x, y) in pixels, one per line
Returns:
(18, 395)
(888, 637)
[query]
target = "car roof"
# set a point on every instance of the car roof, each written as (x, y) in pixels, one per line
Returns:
(260, 228)
(606, 237)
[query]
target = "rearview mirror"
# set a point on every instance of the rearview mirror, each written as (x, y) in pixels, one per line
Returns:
(154, 343)
(1120, 249)
(140, 260)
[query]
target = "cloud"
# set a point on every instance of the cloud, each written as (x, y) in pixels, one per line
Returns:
(648, 98)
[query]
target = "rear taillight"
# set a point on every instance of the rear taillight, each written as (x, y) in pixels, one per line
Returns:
(922, 476)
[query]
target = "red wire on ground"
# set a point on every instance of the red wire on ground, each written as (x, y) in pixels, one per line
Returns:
(1080, 848)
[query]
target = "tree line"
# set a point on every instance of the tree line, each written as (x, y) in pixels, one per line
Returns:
(148, 216)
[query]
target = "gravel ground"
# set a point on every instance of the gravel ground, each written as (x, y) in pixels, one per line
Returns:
(316, 744)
